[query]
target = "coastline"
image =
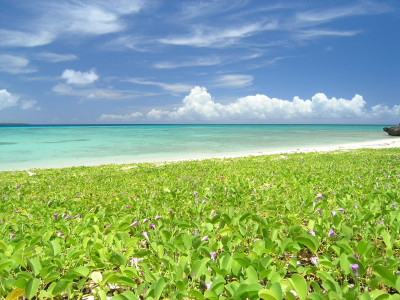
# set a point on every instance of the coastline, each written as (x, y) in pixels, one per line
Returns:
(390, 142)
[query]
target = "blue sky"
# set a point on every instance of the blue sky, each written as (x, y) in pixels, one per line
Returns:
(200, 61)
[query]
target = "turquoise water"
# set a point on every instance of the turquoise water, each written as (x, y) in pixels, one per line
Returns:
(24, 147)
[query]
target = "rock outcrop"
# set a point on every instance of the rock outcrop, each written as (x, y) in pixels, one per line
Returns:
(395, 130)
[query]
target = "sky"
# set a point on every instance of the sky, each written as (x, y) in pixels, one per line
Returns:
(225, 61)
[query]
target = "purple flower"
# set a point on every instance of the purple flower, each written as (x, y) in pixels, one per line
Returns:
(152, 226)
(312, 232)
(68, 217)
(355, 255)
(205, 238)
(55, 215)
(342, 210)
(78, 216)
(4, 197)
(195, 193)
(12, 236)
(157, 217)
(394, 205)
(319, 211)
(319, 196)
(208, 286)
(145, 220)
(213, 255)
(196, 233)
(213, 212)
(354, 268)
(127, 206)
(135, 223)
(50, 202)
(145, 235)
(60, 234)
(136, 260)
(170, 211)
(355, 206)
(332, 233)
(333, 213)
(197, 200)
(314, 260)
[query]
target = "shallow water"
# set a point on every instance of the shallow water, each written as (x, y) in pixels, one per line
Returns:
(24, 147)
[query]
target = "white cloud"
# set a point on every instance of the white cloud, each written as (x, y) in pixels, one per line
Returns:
(199, 106)
(15, 64)
(9, 100)
(233, 80)
(173, 88)
(78, 77)
(55, 18)
(120, 118)
(94, 94)
(196, 62)
(316, 33)
(54, 57)
(12, 38)
(218, 37)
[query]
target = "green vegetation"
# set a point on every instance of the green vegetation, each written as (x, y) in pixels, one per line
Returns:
(319, 226)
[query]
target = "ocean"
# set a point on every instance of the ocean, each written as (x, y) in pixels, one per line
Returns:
(45, 146)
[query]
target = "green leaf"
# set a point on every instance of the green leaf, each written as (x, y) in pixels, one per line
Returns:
(35, 265)
(267, 294)
(252, 274)
(300, 285)
(4, 263)
(97, 277)
(309, 241)
(81, 271)
(386, 275)
(159, 286)
(55, 247)
(32, 287)
(247, 290)
(60, 287)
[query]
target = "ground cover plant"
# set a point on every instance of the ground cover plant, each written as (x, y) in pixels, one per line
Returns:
(293, 226)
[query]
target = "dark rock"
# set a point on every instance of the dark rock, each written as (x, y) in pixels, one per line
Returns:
(395, 130)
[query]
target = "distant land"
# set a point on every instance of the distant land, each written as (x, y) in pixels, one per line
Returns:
(14, 124)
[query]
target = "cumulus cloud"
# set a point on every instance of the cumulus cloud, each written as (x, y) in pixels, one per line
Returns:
(120, 118)
(78, 77)
(9, 100)
(15, 64)
(199, 106)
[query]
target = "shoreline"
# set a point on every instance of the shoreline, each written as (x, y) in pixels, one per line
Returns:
(390, 142)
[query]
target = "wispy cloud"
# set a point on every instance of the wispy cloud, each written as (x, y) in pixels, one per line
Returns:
(55, 57)
(317, 33)
(76, 18)
(202, 36)
(233, 81)
(120, 118)
(95, 93)
(327, 15)
(15, 64)
(195, 62)
(173, 88)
